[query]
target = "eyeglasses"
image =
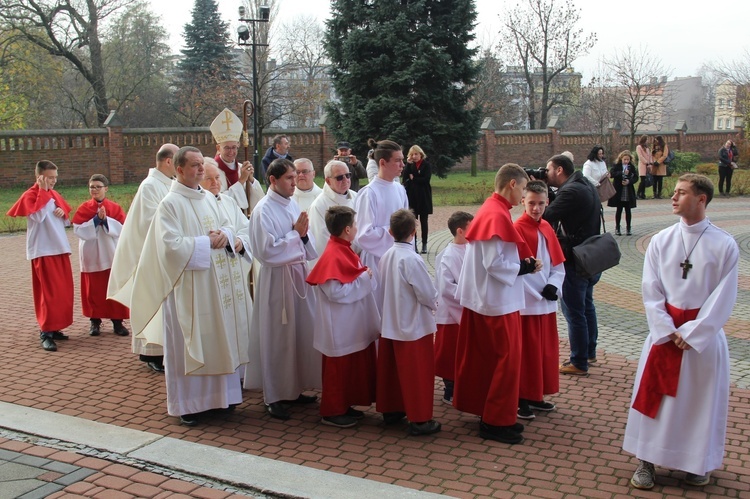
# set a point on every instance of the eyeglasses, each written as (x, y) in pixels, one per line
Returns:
(96, 187)
(340, 178)
(304, 172)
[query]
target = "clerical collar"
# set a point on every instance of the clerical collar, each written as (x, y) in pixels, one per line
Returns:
(696, 227)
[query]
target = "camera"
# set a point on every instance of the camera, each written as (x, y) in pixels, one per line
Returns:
(345, 159)
(537, 173)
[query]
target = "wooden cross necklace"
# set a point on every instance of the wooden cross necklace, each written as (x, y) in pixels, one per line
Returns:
(686, 265)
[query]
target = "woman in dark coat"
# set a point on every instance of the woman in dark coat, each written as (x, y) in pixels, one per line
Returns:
(416, 181)
(624, 176)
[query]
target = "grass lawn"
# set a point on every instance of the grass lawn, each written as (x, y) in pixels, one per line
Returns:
(458, 189)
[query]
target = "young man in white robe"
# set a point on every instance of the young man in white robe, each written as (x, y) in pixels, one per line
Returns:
(336, 192)
(678, 417)
(306, 190)
(284, 310)
(128, 251)
(189, 264)
(98, 225)
(376, 202)
(227, 130)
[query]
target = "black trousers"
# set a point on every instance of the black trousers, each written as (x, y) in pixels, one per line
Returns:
(658, 180)
(725, 175)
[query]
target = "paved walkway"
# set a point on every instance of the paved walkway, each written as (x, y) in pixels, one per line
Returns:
(71, 406)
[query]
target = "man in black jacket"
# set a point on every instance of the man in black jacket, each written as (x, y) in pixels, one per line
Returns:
(577, 209)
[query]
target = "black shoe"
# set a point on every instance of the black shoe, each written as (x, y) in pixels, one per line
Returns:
(120, 330)
(155, 366)
(524, 411)
(448, 391)
(628, 232)
(302, 399)
(424, 248)
(518, 427)
(354, 413)
(426, 428)
(504, 434)
(340, 421)
(393, 417)
(278, 411)
(189, 420)
(617, 232)
(48, 343)
(541, 405)
(94, 328)
(58, 335)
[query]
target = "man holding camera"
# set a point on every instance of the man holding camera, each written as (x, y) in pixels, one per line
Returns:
(577, 209)
(344, 154)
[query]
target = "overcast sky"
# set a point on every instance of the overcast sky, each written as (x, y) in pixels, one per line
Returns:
(683, 34)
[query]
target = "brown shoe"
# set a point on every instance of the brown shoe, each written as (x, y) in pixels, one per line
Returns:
(568, 368)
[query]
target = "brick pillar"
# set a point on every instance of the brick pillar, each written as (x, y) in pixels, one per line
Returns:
(487, 144)
(116, 167)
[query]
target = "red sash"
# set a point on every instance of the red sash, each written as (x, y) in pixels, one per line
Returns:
(88, 210)
(232, 175)
(34, 199)
(661, 374)
(338, 262)
(493, 220)
(529, 230)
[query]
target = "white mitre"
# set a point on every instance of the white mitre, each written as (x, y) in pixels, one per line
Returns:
(226, 126)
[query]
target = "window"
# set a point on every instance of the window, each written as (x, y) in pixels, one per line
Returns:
(721, 103)
(729, 103)
(720, 124)
(729, 123)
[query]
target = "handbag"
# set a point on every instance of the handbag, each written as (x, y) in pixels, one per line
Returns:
(596, 253)
(648, 180)
(733, 165)
(606, 190)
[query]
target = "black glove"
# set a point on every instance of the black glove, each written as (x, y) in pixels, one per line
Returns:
(550, 292)
(527, 267)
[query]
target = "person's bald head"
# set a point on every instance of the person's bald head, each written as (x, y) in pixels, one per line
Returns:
(212, 178)
(164, 159)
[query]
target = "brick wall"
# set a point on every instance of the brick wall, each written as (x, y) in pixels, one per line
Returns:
(125, 155)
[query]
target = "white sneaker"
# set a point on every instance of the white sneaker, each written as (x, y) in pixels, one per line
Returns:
(644, 476)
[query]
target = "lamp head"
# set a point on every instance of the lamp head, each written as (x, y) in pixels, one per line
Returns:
(242, 11)
(243, 33)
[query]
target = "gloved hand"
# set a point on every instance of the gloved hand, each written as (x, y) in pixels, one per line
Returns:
(550, 292)
(527, 266)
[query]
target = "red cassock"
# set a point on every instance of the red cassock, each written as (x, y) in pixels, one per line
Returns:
(406, 378)
(539, 358)
(446, 338)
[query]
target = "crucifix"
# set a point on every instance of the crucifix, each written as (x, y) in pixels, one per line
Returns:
(686, 266)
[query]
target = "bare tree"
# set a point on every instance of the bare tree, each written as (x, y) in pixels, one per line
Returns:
(492, 89)
(64, 28)
(599, 106)
(641, 77)
(738, 73)
(541, 37)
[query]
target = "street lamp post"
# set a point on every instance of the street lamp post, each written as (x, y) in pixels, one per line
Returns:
(243, 39)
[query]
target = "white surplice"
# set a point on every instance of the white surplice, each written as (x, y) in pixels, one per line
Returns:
(410, 295)
(245, 200)
(205, 310)
(284, 309)
(45, 233)
(97, 244)
(120, 287)
(448, 265)
(305, 198)
(689, 430)
(317, 214)
(374, 204)
(533, 284)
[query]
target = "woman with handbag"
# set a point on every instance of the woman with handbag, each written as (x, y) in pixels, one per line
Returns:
(416, 180)
(624, 176)
(595, 170)
(659, 154)
(727, 164)
(643, 151)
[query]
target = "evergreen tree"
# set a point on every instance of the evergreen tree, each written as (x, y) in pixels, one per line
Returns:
(205, 77)
(403, 70)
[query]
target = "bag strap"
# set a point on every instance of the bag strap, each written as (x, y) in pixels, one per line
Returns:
(601, 214)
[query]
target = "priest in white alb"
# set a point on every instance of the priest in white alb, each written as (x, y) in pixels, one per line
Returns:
(227, 131)
(190, 265)
(680, 399)
(376, 202)
(284, 309)
(336, 192)
(306, 190)
(140, 214)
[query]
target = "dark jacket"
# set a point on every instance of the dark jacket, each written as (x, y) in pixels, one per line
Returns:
(724, 156)
(358, 171)
(268, 159)
(617, 178)
(418, 189)
(578, 208)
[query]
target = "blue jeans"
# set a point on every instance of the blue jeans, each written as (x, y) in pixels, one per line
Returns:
(580, 312)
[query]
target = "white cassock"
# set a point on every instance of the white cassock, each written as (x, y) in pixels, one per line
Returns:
(150, 193)
(237, 191)
(284, 309)
(689, 430)
(317, 214)
(374, 204)
(96, 245)
(204, 302)
(534, 283)
(305, 198)
(241, 224)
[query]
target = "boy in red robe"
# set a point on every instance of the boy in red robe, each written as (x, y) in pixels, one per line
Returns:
(540, 347)
(488, 352)
(48, 250)
(347, 323)
(98, 225)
